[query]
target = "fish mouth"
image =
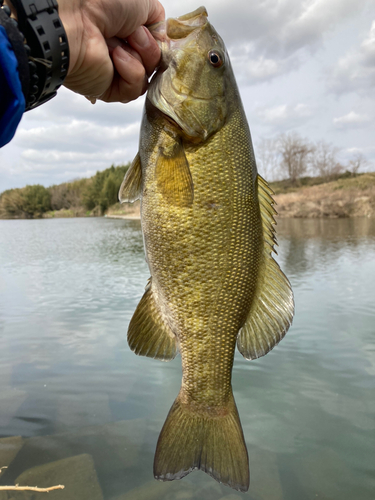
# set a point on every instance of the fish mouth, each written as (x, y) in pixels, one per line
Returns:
(171, 35)
(173, 32)
(179, 27)
(191, 16)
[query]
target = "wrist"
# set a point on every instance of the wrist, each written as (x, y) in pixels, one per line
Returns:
(71, 18)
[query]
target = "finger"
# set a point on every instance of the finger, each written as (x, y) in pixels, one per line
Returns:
(142, 41)
(130, 81)
(114, 42)
(125, 16)
(156, 12)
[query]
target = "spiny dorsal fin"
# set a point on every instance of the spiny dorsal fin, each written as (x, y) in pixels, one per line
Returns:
(173, 175)
(148, 333)
(272, 309)
(131, 186)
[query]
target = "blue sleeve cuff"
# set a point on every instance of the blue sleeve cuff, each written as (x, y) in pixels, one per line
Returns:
(12, 100)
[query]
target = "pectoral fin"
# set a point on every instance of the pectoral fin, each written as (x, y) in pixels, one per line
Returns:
(149, 334)
(272, 309)
(173, 175)
(131, 186)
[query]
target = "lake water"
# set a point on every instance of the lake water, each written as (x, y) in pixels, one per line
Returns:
(89, 410)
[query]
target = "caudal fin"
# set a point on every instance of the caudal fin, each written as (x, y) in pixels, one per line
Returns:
(211, 442)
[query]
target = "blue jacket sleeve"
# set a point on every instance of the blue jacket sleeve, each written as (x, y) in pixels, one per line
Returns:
(12, 100)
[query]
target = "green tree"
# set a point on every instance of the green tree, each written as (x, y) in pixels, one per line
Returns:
(37, 200)
(12, 203)
(109, 193)
(100, 191)
(103, 188)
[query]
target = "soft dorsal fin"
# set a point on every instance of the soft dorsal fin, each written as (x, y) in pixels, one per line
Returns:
(173, 174)
(131, 186)
(272, 309)
(149, 334)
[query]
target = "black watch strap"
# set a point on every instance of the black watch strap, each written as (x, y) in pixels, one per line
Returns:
(39, 22)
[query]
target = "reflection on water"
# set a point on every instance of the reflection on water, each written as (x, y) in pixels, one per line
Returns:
(313, 243)
(87, 411)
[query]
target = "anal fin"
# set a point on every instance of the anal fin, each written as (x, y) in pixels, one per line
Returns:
(149, 334)
(272, 310)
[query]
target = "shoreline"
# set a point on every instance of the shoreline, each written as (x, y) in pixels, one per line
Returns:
(129, 216)
(346, 197)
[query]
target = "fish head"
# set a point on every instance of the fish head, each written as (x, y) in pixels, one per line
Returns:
(190, 85)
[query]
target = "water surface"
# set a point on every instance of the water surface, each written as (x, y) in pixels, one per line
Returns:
(71, 387)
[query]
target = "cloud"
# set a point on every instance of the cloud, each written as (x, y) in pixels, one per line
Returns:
(285, 116)
(351, 120)
(250, 69)
(271, 37)
(312, 19)
(69, 159)
(54, 166)
(68, 105)
(356, 70)
(279, 26)
(69, 138)
(77, 148)
(78, 135)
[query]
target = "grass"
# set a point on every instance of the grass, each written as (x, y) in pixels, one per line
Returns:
(287, 186)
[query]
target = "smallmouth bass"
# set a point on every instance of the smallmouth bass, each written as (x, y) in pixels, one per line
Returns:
(207, 222)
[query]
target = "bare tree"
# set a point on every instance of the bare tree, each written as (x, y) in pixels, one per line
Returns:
(295, 154)
(358, 161)
(324, 161)
(268, 158)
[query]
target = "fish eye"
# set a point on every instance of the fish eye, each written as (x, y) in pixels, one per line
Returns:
(215, 58)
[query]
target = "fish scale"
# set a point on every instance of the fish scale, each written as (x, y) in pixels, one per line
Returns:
(207, 222)
(228, 234)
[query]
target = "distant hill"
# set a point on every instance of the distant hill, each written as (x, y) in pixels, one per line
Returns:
(342, 195)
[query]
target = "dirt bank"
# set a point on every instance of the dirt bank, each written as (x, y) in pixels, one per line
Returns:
(352, 197)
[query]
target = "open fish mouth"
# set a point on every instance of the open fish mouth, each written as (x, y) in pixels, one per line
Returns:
(172, 35)
(178, 28)
(174, 31)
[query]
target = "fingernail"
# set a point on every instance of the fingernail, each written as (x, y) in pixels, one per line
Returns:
(140, 37)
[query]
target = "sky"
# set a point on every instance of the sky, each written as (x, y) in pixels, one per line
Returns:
(304, 66)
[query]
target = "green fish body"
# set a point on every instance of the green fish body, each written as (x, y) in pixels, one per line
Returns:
(207, 221)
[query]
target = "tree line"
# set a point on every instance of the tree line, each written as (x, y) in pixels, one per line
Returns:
(290, 156)
(287, 156)
(96, 193)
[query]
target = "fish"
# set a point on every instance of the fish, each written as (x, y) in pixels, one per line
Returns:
(208, 221)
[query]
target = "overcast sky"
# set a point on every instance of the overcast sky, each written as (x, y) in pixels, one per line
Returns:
(304, 66)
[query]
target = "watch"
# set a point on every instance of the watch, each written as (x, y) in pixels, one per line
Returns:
(45, 46)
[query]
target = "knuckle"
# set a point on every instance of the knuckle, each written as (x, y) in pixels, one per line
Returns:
(137, 75)
(130, 92)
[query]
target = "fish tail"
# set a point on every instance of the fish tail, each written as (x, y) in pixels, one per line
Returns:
(211, 441)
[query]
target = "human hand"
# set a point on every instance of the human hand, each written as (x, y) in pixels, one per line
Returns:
(111, 52)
